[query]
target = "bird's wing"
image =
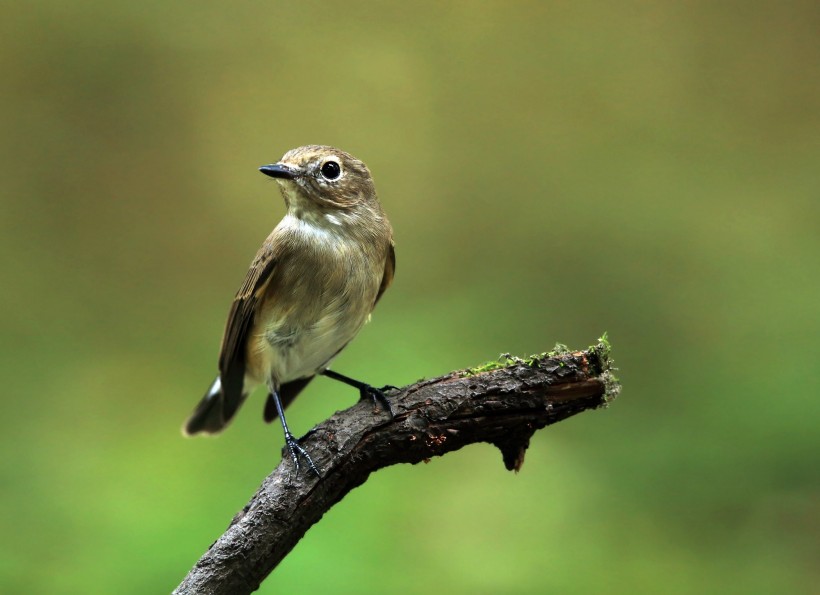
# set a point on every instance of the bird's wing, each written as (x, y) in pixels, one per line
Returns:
(240, 322)
(389, 271)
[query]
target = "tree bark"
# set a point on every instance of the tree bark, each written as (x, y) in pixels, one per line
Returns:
(502, 403)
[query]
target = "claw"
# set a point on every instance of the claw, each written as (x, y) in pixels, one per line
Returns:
(378, 397)
(365, 390)
(295, 450)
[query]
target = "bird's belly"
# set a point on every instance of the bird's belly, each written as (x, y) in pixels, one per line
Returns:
(288, 351)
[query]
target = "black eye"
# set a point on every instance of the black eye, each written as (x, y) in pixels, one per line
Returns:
(331, 170)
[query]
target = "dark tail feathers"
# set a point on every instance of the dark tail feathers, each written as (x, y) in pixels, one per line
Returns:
(214, 412)
(211, 415)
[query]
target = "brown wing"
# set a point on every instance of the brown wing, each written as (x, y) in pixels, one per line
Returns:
(240, 322)
(389, 271)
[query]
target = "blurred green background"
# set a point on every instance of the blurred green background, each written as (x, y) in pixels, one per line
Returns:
(552, 171)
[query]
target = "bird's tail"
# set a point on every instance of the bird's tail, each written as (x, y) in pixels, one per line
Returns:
(211, 414)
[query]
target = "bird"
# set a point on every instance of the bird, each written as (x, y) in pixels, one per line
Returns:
(310, 289)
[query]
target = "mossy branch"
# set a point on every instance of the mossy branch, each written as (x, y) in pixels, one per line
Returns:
(502, 403)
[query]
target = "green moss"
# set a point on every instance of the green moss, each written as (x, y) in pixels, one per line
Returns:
(557, 351)
(603, 367)
(612, 387)
(505, 359)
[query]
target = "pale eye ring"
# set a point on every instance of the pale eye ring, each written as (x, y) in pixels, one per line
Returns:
(331, 170)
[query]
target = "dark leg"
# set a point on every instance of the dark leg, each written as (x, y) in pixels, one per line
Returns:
(365, 390)
(293, 445)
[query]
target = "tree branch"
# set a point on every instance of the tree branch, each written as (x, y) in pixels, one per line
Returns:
(502, 403)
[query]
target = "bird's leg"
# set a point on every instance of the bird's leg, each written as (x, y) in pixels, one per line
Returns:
(365, 390)
(293, 444)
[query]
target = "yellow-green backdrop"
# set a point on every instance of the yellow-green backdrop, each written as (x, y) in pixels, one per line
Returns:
(553, 170)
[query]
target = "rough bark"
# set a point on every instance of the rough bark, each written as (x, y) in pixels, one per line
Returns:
(502, 403)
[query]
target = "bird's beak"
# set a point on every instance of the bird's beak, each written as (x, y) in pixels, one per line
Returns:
(277, 170)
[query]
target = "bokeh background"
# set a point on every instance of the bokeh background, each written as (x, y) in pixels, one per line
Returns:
(552, 171)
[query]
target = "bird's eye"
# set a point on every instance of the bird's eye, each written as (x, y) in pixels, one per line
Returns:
(331, 170)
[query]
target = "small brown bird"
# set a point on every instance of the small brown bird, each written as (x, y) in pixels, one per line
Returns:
(310, 289)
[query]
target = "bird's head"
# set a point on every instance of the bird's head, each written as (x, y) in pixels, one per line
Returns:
(322, 179)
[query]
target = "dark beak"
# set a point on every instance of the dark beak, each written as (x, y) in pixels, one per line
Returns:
(277, 171)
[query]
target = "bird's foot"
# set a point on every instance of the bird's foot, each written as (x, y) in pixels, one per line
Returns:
(377, 396)
(296, 450)
(365, 390)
